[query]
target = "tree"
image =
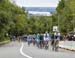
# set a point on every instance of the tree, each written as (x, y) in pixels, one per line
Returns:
(64, 13)
(12, 18)
(4, 24)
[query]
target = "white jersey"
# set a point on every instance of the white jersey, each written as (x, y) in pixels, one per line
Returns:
(46, 37)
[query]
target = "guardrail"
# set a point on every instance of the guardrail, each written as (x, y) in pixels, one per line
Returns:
(67, 45)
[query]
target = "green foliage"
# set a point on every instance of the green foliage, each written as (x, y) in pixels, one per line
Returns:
(15, 21)
(12, 19)
(65, 15)
(61, 6)
(39, 24)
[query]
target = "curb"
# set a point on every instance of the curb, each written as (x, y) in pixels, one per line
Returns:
(4, 42)
(67, 49)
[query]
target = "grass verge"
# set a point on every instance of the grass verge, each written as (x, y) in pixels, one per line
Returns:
(4, 42)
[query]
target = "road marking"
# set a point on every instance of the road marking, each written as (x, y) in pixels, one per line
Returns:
(22, 53)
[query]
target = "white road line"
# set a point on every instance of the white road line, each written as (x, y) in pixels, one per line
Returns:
(22, 53)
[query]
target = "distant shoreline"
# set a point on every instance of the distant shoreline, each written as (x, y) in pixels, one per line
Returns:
(41, 9)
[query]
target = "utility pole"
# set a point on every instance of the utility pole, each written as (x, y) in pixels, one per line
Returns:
(58, 22)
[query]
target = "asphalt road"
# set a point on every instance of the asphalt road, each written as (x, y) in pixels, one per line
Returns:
(22, 50)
